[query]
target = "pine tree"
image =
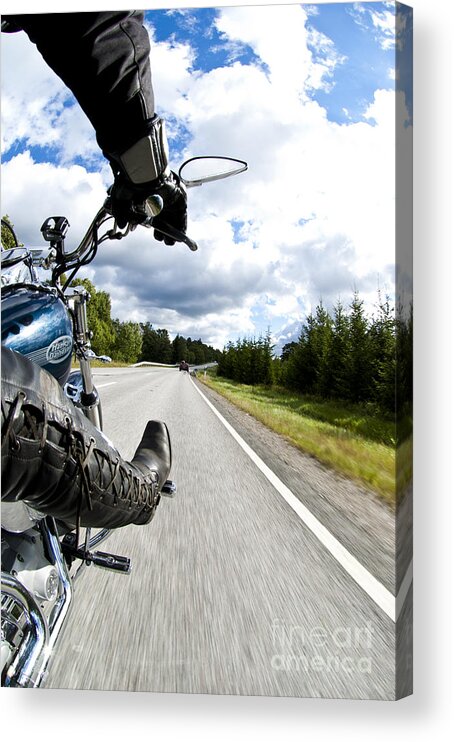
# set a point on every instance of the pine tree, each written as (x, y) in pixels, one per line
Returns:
(304, 370)
(249, 361)
(267, 376)
(287, 350)
(323, 334)
(359, 358)
(226, 362)
(338, 354)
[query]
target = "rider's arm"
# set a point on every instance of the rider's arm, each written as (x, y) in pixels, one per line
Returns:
(104, 59)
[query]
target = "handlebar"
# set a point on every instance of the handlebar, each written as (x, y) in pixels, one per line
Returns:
(54, 231)
(92, 239)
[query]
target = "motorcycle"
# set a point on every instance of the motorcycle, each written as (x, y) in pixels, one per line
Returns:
(45, 319)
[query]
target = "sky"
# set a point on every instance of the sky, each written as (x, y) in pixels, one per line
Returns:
(306, 94)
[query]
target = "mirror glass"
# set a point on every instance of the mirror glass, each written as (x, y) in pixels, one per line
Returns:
(200, 170)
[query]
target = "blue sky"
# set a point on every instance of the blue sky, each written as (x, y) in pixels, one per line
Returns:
(304, 93)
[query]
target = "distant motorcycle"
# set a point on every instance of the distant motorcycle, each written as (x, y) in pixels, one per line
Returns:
(45, 319)
(184, 366)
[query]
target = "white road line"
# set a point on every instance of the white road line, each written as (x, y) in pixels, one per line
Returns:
(109, 383)
(379, 594)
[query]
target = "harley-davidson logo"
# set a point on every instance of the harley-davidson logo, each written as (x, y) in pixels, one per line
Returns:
(59, 349)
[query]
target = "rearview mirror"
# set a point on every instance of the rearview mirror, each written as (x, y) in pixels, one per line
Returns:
(200, 170)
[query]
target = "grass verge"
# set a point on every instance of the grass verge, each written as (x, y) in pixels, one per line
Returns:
(350, 439)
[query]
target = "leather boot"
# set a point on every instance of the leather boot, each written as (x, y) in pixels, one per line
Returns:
(61, 465)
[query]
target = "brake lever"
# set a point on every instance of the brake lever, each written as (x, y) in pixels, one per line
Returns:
(177, 235)
(172, 232)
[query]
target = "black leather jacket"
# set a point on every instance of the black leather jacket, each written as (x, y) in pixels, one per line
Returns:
(104, 59)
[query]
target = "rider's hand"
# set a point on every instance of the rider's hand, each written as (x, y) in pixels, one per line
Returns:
(128, 203)
(174, 211)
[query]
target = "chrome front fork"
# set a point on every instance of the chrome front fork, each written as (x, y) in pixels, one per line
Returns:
(88, 399)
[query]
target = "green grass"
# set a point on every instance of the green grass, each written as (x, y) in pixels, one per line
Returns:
(352, 439)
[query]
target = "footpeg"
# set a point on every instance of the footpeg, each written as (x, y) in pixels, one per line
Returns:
(169, 489)
(111, 561)
(99, 558)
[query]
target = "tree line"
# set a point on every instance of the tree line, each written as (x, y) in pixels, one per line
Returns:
(249, 361)
(132, 342)
(345, 355)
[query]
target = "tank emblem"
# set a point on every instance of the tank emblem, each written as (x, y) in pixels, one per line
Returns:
(59, 349)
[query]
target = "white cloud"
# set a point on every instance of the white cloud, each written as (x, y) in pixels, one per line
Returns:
(279, 36)
(28, 88)
(382, 22)
(171, 65)
(37, 107)
(31, 192)
(385, 23)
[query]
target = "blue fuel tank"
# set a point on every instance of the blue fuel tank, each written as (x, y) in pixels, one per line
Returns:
(37, 324)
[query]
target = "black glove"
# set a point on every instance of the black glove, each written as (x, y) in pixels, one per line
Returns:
(174, 212)
(128, 203)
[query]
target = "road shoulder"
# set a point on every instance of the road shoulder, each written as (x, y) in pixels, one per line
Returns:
(353, 514)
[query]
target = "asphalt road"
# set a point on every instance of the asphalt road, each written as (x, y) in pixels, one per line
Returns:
(231, 592)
